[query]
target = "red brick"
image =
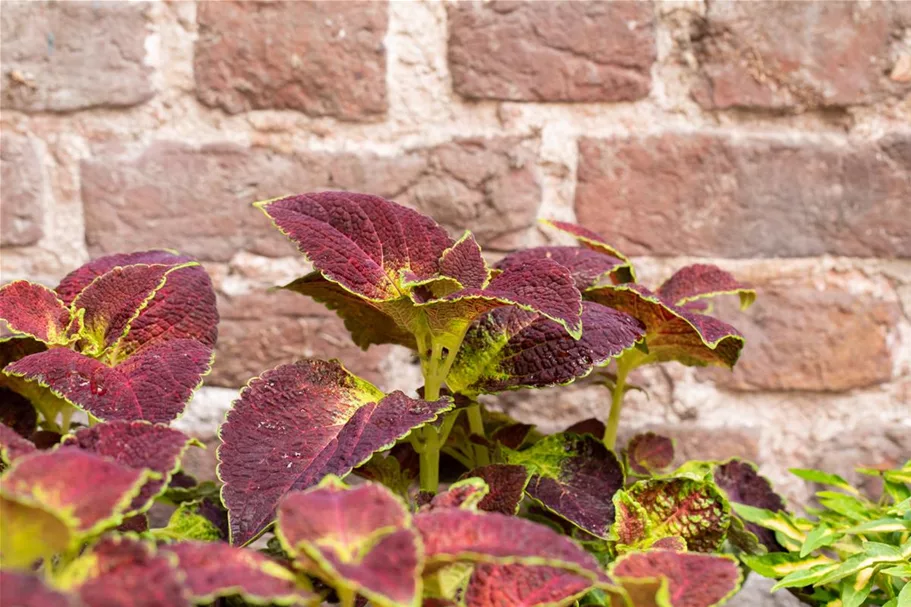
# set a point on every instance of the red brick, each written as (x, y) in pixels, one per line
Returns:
(65, 56)
(198, 200)
(321, 58)
(21, 191)
(801, 338)
(794, 54)
(707, 194)
(261, 330)
(552, 51)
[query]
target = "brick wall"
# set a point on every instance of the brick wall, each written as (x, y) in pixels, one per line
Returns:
(771, 138)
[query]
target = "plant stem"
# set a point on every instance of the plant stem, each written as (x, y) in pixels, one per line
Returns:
(613, 421)
(476, 425)
(346, 597)
(430, 453)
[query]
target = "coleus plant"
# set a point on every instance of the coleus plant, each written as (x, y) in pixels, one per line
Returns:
(851, 550)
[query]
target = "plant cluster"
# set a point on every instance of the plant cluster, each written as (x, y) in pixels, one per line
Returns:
(454, 505)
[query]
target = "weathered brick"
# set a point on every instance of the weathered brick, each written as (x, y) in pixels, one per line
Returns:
(552, 51)
(21, 191)
(801, 338)
(65, 56)
(198, 200)
(710, 194)
(321, 58)
(793, 54)
(261, 330)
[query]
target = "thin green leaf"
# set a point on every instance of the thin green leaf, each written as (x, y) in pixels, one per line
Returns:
(777, 565)
(824, 478)
(823, 535)
(806, 577)
(852, 507)
(874, 554)
(855, 590)
(899, 571)
(779, 522)
(883, 525)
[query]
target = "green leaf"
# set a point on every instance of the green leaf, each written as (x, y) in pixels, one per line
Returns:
(824, 478)
(883, 525)
(823, 535)
(874, 554)
(900, 571)
(855, 590)
(188, 523)
(852, 507)
(777, 565)
(904, 597)
(807, 577)
(779, 522)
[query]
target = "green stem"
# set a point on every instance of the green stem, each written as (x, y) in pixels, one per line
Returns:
(66, 416)
(346, 597)
(613, 421)
(430, 453)
(476, 425)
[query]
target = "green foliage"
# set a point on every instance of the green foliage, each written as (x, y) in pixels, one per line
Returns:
(853, 548)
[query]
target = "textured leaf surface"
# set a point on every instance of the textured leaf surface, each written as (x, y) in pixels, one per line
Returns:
(539, 285)
(86, 491)
(453, 535)
(512, 435)
(466, 493)
(587, 267)
(365, 243)
(195, 520)
(742, 484)
(522, 586)
(693, 510)
(34, 310)
(591, 240)
(77, 280)
(511, 348)
(697, 281)
(673, 333)
(127, 573)
(213, 570)
(154, 385)
(139, 445)
(463, 262)
(366, 320)
(694, 580)
(361, 538)
(17, 413)
(297, 423)
(574, 477)
(113, 300)
(649, 453)
(506, 484)
(28, 590)
(13, 446)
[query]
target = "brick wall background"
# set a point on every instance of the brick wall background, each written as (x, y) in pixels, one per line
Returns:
(772, 138)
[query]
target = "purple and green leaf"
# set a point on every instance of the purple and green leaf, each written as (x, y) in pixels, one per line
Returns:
(13, 446)
(650, 453)
(360, 539)
(28, 590)
(154, 384)
(672, 332)
(587, 267)
(595, 242)
(511, 348)
(464, 263)
(693, 510)
(524, 586)
(692, 579)
(466, 493)
(506, 483)
(139, 445)
(298, 423)
(574, 477)
(77, 280)
(214, 570)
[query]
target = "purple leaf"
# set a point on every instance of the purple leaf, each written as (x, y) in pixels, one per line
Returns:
(362, 242)
(649, 453)
(154, 384)
(586, 266)
(297, 423)
(35, 311)
(703, 280)
(13, 446)
(742, 484)
(17, 412)
(463, 262)
(77, 280)
(28, 590)
(592, 426)
(693, 580)
(593, 241)
(506, 484)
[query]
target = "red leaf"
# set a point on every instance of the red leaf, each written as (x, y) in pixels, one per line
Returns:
(297, 423)
(28, 590)
(362, 242)
(694, 580)
(87, 491)
(592, 426)
(587, 267)
(34, 310)
(361, 538)
(139, 445)
(463, 262)
(649, 453)
(507, 487)
(123, 572)
(13, 446)
(591, 240)
(17, 412)
(154, 384)
(523, 586)
(214, 570)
